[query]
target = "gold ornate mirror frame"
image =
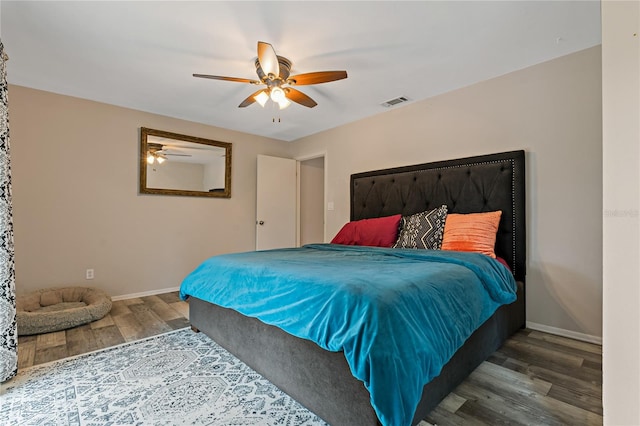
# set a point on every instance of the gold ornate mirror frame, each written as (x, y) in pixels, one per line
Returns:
(175, 164)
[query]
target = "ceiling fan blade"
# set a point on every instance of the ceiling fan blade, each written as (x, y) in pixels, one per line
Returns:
(218, 77)
(250, 99)
(268, 59)
(316, 77)
(299, 97)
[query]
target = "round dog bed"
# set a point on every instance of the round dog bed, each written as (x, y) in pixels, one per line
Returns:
(54, 309)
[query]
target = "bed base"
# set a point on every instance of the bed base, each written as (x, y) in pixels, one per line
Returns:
(321, 380)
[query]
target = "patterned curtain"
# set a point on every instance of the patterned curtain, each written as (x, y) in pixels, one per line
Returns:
(8, 331)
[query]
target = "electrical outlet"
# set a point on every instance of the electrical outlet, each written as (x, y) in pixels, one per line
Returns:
(89, 274)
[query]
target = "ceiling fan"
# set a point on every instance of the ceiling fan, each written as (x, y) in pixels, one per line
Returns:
(273, 71)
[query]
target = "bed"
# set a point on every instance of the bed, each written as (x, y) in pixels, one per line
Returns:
(322, 379)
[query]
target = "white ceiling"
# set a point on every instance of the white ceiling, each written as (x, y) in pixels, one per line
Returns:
(142, 55)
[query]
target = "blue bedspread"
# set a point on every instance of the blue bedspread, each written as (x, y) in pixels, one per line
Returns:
(398, 315)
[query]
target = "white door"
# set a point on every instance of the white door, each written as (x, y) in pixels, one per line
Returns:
(276, 203)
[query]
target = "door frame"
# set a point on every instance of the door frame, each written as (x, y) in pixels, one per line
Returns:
(300, 159)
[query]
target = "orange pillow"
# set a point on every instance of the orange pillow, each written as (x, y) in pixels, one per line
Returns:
(474, 232)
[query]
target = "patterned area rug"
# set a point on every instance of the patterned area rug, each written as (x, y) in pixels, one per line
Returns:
(177, 378)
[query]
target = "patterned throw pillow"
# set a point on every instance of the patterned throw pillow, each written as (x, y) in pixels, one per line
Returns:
(422, 230)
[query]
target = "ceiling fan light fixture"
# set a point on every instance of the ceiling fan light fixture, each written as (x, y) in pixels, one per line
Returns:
(155, 157)
(277, 95)
(284, 103)
(261, 98)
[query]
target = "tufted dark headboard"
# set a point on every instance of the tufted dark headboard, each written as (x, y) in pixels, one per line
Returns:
(466, 185)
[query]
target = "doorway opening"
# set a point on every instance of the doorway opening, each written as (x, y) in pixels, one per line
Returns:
(311, 200)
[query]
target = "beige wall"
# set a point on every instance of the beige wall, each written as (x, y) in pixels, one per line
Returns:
(621, 222)
(214, 174)
(76, 201)
(553, 111)
(176, 175)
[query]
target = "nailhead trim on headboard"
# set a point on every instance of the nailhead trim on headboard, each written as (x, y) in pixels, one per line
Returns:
(513, 203)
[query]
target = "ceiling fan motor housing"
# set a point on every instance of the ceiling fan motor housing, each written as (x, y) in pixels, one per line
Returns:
(285, 71)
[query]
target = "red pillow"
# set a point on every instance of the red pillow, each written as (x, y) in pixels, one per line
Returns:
(504, 262)
(378, 232)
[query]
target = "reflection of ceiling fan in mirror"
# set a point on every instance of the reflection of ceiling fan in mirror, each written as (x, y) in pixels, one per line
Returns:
(273, 71)
(160, 153)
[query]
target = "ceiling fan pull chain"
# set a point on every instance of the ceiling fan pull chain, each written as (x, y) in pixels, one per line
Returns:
(275, 110)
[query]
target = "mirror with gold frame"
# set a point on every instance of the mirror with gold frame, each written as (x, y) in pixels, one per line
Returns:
(175, 164)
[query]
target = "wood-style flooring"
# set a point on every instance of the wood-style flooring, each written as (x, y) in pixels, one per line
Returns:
(128, 320)
(533, 379)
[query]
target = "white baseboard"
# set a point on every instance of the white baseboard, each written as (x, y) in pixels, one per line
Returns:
(145, 293)
(565, 333)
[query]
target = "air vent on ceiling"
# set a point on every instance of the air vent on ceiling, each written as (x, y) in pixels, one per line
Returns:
(394, 102)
